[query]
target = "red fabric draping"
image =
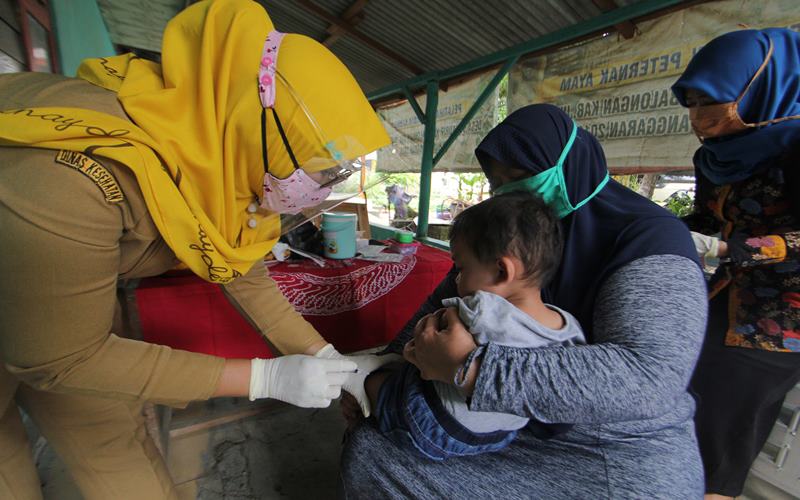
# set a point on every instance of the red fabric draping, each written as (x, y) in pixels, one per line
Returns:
(354, 304)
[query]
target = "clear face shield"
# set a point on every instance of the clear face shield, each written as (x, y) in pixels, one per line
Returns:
(319, 161)
(338, 174)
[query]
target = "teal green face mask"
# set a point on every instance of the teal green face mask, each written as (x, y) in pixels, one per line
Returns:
(551, 186)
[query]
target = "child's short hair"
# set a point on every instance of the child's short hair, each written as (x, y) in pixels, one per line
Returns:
(518, 224)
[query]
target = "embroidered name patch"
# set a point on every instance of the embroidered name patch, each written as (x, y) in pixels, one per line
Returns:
(93, 170)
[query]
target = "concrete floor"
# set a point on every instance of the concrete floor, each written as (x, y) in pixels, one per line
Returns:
(276, 452)
(280, 452)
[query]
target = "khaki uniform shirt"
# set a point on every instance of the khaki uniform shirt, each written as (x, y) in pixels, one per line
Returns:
(68, 235)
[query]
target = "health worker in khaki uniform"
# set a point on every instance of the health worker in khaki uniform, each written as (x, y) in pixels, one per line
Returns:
(135, 167)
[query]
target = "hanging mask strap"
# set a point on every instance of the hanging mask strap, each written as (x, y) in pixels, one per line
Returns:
(285, 139)
(559, 166)
(266, 92)
(568, 147)
(758, 73)
(264, 157)
(562, 180)
(597, 190)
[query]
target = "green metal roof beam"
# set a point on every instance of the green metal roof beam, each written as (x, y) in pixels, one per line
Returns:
(584, 28)
(498, 77)
(414, 105)
(426, 167)
(433, 242)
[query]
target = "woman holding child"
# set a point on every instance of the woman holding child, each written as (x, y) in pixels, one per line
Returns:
(630, 275)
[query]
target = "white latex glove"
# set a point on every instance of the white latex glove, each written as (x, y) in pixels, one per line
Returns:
(706, 246)
(367, 363)
(299, 379)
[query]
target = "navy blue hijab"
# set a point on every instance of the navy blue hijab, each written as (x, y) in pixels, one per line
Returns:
(722, 69)
(616, 227)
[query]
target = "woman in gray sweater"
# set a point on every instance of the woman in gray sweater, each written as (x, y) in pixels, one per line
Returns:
(631, 276)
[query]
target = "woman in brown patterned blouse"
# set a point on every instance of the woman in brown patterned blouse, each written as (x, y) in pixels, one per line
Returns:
(743, 95)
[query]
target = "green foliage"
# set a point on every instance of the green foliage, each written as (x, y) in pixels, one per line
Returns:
(680, 203)
(471, 187)
(629, 181)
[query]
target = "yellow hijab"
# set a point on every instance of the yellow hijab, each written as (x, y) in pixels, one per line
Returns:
(196, 144)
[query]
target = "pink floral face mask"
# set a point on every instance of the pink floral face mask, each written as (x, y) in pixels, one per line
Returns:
(292, 194)
(298, 191)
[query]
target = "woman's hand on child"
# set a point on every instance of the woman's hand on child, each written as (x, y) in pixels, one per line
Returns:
(440, 346)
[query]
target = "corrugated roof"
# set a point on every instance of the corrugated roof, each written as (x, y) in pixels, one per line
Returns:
(433, 35)
(428, 35)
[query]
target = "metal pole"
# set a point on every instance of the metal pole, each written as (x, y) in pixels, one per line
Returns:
(414, 105)
(431, 102)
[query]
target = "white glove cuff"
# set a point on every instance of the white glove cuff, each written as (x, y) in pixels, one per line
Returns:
(256, 378)
(328, 352)
(713, 251)
(261, 371)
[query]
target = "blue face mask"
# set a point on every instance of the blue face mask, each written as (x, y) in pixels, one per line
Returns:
(551, 186)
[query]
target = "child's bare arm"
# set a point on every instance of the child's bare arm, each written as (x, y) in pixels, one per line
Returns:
(373, 385)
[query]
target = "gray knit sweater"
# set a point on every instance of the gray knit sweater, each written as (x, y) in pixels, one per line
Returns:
(492, 319)
(626, 394)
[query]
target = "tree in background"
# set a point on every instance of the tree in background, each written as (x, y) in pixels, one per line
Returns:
(647, 185)
(629, 181)
(680, 203)
(471, 187)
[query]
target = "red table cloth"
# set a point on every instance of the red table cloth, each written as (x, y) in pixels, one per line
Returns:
(355, 304)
